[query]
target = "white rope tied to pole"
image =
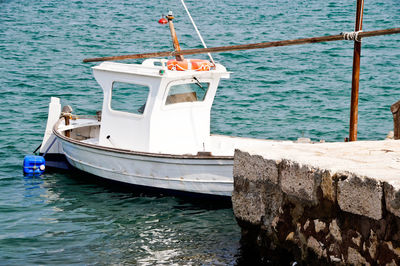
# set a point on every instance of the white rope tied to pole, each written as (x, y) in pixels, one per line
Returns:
(197, 30)
(351, 36)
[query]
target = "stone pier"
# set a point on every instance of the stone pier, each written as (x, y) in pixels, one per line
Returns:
(325, 202)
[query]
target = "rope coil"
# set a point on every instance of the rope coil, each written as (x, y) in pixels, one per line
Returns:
(351, 36)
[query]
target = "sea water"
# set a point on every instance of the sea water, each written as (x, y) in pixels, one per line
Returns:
(275, 93)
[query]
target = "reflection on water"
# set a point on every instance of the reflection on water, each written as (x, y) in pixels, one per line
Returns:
(75, 217)
(33, 188)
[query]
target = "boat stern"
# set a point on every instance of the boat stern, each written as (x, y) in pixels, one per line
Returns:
(51, 148)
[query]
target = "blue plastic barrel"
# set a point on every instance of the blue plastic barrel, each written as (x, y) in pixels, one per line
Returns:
(34, 165)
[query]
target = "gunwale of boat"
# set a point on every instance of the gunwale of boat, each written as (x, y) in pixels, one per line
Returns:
(57, 133)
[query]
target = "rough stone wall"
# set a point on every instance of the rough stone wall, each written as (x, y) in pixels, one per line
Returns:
(314, 213)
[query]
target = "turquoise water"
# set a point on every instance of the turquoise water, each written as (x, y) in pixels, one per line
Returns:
(276, 93)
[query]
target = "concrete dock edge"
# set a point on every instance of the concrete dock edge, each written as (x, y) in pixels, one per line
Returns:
(319, 211)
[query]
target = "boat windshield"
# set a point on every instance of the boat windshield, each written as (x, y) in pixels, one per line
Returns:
(127, 97)
(188, 92)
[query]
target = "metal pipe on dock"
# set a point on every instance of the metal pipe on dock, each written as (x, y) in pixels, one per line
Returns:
(355, 83)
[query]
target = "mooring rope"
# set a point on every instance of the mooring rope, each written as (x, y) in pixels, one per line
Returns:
(197, 30)
(351, 36)
(51, 145)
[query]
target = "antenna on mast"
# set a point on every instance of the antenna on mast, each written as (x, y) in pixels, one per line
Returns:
(197, 30)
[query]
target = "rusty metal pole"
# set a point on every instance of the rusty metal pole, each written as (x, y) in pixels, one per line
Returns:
(356, 74)
(175, 42)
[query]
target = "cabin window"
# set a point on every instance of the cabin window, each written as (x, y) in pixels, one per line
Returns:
(189, 92)
(127, 97)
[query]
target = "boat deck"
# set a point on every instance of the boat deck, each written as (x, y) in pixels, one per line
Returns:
(86, 130)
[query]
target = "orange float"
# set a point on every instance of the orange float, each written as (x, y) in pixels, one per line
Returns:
(189, 64)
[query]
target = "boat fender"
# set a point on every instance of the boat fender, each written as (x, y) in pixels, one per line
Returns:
(189, 64)
(34, 165)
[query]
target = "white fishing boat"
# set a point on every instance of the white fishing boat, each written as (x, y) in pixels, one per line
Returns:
(163, 141)
(159, 136)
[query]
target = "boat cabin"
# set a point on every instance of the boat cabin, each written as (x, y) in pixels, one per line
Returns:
(149, 108)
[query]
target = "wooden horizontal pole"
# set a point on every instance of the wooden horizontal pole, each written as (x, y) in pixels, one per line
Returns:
(220, 49)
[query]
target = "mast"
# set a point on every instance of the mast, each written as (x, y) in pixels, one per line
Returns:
(175, 42)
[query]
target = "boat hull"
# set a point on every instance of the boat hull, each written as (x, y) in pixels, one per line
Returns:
(190, 174)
